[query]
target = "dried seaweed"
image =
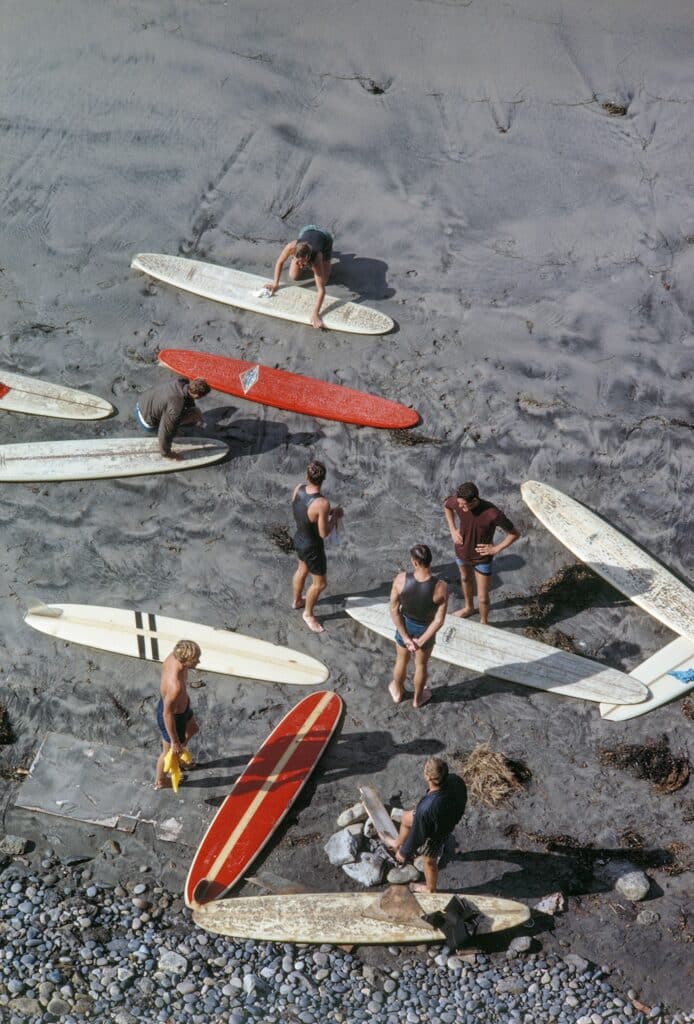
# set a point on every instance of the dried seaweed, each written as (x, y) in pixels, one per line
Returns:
(651, 760)
(688, 708)
(572, 589)
(553, 637)
(491, 778)
(410, 438)
(634, 840)
(280, 537)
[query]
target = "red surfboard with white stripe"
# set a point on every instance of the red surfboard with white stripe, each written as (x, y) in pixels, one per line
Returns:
(291, 391)
(261, 797)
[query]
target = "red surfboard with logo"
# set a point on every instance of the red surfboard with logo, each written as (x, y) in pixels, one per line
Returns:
(261, 797)
(291, 391)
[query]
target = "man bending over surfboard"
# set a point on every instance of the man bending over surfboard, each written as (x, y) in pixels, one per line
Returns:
(424, 830)
(313, 251)
(418, 604)
(315, 520)
(175, 717)
(168, 406)
(474, 550)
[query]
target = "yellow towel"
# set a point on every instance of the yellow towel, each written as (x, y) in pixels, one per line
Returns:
(172, 766)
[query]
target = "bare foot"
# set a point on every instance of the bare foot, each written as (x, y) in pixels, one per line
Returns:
(162, 784)
(464, 613)
(298, 604)
(396, 694)
(419, 887)
(424, 699)
(312, 623)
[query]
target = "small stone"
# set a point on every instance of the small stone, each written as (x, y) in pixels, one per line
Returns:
(514, 986)
(58, 1007)
(577, 962)
(23, 1006)
(342, 848)
(634, 886)
(647, 917)
(402, 875)
(172, 963)
(553, 904)
(396, 814)
(352, 815)
(521, 944)
(13, 846)
(357, 829)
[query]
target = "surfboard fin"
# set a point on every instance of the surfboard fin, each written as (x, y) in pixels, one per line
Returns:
(45, 609)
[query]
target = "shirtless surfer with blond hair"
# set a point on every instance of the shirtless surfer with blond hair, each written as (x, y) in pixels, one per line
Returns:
(175, 717)
(313, 251)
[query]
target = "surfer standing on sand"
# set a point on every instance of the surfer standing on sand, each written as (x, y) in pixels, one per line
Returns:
(424, 830)
(168, 406)
(312, 250)
(175, 717)
(418, 604)
(315, 520)
(474, 550)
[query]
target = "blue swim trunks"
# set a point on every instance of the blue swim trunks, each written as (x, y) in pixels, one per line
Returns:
(485, 568)
(180, 720)
(415, 630)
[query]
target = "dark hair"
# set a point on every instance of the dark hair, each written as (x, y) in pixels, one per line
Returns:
(422, 554)
(316, 471)
(303, 251)
(198, 388)
(467, 491)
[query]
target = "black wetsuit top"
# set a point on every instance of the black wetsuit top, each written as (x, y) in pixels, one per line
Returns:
(417, 599)
(307, 535)
(319, 242)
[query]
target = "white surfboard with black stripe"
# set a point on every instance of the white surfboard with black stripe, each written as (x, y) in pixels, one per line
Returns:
(152, 637)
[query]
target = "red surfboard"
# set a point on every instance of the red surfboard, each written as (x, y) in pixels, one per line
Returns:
(285, 390)
(261, 797)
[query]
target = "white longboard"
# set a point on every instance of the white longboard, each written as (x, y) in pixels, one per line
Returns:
(101, 458)
(40, 398)
(658, 673)
(152, 637)
(344, 918)
(514, 658)
(236, 288)
(613, 556)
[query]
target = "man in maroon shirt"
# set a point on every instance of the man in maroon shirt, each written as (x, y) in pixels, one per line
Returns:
(473, 537)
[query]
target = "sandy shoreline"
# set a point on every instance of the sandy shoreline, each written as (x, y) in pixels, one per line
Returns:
(535, 246)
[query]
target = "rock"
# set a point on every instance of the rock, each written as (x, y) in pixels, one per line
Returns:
(513, 986)
(369, 829)
(396, 814)
(172, 963)
(342, 848)
(357, 829)
(352, 815)
(13, 846)
(647, 917)
(25, 1007)
(58, 1007)
(634, 885)
(367, 871)
(552, 904)
(521, 944)
(577, 962)
(403, 874)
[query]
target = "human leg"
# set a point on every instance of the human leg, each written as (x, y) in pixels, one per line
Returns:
(298, 581)
(467, 585)
(483, 580)
(422, 694)
(160, 779)
(396, 687)
(318, 585)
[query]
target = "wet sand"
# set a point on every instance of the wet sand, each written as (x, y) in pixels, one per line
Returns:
(512, 186)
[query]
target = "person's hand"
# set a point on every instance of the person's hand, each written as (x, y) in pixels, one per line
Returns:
(457, 536)
(176, 456)
(485, 549)
(399, 857)
(316, 321)
(271, 287)
(411, 645)
(176, 748)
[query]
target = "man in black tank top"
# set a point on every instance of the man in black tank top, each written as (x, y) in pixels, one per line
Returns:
(315, 519)
(418, 605)
(313, 251)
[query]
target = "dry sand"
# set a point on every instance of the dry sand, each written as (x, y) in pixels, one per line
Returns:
(536, 247)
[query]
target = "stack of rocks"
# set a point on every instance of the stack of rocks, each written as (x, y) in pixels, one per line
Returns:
(357, 849)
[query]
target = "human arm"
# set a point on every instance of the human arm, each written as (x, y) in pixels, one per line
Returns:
(281, 260)
(324, 516)
(441, 602)
(512, 535)
(168, 425)
(456, 535)
(320, 295)
(396, 614)
(170, 723)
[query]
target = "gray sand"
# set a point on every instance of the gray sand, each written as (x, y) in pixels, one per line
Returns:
(535, 249)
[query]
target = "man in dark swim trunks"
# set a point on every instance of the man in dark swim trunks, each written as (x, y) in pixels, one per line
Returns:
(474, 548)
(313, 251)
(424, 830)
(315, 520)
(418, 604)
(175, 718)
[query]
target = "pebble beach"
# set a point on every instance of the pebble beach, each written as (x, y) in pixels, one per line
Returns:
(511, 183)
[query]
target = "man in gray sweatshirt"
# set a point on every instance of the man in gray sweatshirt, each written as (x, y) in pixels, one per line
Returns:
(168, 406)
